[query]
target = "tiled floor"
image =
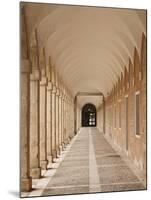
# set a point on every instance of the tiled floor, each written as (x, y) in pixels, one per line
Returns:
(88, 165)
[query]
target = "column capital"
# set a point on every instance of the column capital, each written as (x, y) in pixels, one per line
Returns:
(43, 81)
(35, 75)
(25, 66)
(49, 86)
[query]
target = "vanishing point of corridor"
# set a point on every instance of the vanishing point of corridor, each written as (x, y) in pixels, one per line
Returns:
(90, 164)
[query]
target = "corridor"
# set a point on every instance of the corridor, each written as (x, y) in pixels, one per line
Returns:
(83, 102)
(89, 164)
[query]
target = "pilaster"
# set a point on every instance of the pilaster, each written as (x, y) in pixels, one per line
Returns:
(54, 149)
(26, 181)
(49, 122)
(35, 170)
(60, 121)
(63, 120)
(43, 123)
(57, 121)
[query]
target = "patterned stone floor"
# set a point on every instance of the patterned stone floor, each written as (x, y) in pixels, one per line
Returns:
(88, 165)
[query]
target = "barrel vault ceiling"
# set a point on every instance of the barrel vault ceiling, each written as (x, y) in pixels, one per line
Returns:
(89, 46)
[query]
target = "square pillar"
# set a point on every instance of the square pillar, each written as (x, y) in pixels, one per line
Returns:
(49, 122)
(60, 122)
(43, 124)
(35, 171)
(63, 120)
(26, 181)
(54, 148)
(57, 121)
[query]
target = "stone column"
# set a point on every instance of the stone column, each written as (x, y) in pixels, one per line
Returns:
(43, 124)
(60, 122)
(57, 121)
(67, 120)
(63, 120)
(70, 120)
(26, 181)
(80, 118)
(49, 122)
(54, 152)
(104, 116)
(72, 124)
(35, 170)
(77, 124)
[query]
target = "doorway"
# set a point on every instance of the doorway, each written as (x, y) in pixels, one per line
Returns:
(88, 115)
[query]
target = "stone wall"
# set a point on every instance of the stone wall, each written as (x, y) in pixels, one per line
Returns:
(120, 122)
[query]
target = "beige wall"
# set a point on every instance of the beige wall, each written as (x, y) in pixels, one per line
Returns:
(128, 85)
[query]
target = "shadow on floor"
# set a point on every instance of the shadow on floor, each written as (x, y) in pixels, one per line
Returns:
(14, 193)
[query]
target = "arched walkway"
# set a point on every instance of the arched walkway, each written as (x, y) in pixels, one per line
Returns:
(83, 99)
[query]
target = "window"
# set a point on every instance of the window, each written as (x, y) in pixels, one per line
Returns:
(137, 113)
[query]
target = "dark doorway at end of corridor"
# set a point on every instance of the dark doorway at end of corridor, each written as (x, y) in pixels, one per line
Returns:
(88, 115)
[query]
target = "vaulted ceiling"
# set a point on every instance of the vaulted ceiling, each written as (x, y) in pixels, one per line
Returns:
(89, 46)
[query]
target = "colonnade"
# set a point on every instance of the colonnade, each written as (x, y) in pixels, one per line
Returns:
(47, 111)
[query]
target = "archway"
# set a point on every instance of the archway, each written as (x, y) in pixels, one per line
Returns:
(88, 115)
(75, 107)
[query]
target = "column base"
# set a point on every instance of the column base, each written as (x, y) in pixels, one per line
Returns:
(71, 137)
(66, 142)
(43, 164)
(60, 149)
(50, 161)
(35, 173)
(26, 184)
(58, 153)
(63, 146)
(49, 157)
(54, 154)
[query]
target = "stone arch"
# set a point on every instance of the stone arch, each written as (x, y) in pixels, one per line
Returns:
(89, 115)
